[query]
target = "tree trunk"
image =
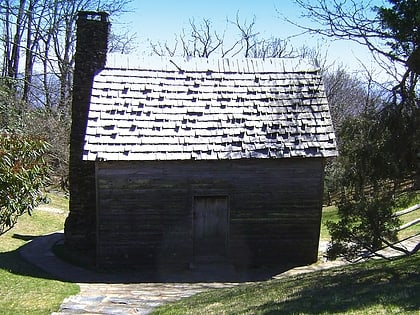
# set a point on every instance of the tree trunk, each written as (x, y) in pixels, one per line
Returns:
(29, 60)
(14, 65)
(7, 40)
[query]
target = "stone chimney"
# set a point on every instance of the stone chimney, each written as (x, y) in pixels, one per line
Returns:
(91, 48)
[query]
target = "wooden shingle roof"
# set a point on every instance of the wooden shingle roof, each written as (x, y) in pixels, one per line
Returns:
(167, 109)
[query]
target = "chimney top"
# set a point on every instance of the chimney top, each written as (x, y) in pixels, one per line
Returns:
(92, 16)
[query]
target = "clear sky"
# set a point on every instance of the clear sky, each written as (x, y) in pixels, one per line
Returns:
(160, 20)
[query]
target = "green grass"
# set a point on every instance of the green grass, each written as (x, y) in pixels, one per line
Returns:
(58, 201)
(405, 201)
(375, 287)
(328, 214)
(25, 289)
(412, 230)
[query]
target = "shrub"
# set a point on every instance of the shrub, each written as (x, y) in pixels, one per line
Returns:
(23, 174)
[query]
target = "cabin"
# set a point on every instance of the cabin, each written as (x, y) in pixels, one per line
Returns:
(190, 161)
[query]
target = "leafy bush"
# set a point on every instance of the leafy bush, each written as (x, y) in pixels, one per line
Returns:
(364, 225)
(23, 174)
(367, 174)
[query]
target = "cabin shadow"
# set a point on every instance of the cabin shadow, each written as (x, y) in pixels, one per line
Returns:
(13, 262)
(164, 272)
(56, 261)
(205, 273)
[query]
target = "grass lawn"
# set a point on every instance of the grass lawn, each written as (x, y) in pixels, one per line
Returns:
(25, 289)
(328, 214)
(375, 287)
(404, 201)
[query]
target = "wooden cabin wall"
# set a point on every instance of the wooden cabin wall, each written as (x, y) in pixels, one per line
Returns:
(144, 214)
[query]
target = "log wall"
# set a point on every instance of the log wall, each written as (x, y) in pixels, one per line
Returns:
(144, 214)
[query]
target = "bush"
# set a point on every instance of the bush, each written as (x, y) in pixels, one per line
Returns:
(23, 174)
(365, 224)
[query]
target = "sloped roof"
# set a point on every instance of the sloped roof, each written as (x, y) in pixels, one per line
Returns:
(178, 109)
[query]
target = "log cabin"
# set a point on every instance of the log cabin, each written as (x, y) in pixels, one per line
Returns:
(186, 161)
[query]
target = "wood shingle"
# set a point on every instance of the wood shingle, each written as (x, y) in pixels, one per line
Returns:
(176, 109)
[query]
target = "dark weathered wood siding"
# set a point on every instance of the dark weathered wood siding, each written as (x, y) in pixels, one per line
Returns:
(145, 209)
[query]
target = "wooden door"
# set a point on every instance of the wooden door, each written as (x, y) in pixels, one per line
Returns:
(210, 225)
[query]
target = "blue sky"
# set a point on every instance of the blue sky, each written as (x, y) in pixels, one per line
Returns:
(160, 20)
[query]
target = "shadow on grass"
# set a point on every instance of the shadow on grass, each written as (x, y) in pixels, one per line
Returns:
(34, 259)
(394, 287)
(12, 262)
(25, 238)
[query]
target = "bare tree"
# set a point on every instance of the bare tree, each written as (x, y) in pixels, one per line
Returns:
(14, 27)
(42, 32)
(164, 49)
(201, 40)
(123, 43)
(348, 20)
(349, 94)
(248, 36)
(271, 48)
(389, 32)
(38, 43)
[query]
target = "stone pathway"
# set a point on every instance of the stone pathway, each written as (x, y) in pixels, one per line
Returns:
(139, 298)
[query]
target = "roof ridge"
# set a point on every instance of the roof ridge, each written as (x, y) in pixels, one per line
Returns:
(223, 65)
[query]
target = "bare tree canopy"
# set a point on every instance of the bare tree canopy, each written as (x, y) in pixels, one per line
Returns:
(350, 20)
(37, 46)
(389, 30)
(202, 40)
(42, 34)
